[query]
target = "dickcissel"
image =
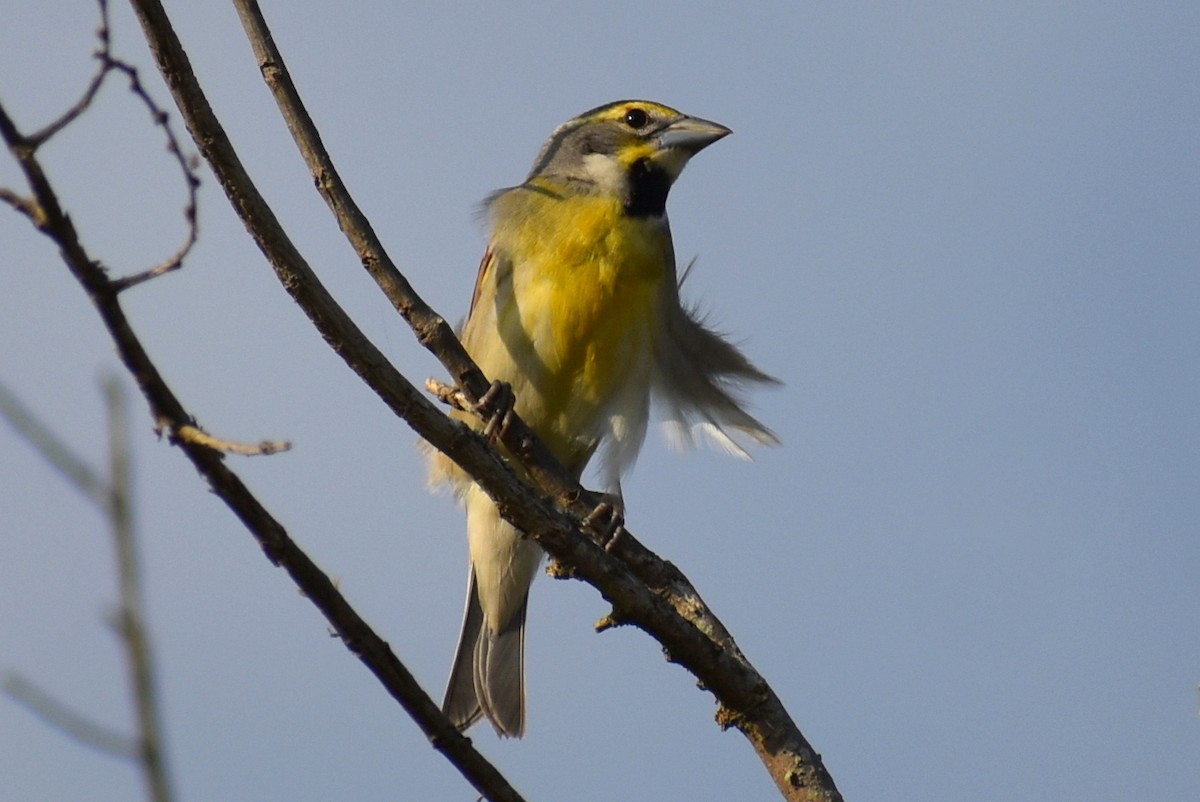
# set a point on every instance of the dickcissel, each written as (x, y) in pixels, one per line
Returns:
(577, 307)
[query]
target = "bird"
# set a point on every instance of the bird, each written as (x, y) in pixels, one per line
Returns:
(577, 309)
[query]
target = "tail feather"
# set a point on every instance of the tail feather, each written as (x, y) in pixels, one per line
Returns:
(488, 674)
(499, 672)
(461, 703)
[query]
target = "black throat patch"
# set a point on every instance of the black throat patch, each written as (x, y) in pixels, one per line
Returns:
(648, 188)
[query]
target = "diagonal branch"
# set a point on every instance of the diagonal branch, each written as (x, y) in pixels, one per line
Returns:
(170, 415)
(746, 699)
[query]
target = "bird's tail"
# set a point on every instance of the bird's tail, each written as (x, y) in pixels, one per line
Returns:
(488, 674)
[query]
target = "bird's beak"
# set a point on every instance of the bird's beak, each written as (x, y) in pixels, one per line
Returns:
(691, 134)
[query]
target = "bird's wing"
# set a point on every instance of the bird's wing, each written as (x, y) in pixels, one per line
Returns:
(485, 267)
(699, 373)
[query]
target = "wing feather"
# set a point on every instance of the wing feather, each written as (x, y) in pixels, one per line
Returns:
(698, 381)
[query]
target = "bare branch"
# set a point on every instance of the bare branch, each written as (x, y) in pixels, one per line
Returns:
(108, 64)
(36, 140)
(131, 616)
(113, 497)
(194, 435)
(187, 168)
(55, 451)
(23, 205)
(449, 395)
(169, 413)
(63, 718)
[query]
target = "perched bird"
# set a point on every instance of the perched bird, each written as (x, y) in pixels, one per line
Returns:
(577, 307)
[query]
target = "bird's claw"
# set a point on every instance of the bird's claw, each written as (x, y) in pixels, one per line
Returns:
(607, 522)
(496, 407)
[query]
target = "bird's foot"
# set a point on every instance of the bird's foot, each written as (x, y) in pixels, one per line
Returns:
(607, 521)
(496, 407)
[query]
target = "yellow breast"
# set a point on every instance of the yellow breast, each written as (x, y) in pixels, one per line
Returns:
(586, 282)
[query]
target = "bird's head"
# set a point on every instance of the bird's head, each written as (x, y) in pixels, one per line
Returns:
(632, 149)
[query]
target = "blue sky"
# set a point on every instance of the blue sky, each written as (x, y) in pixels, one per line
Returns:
(963, 234)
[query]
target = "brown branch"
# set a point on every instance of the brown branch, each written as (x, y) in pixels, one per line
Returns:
(108, 64)
(170, 415)
(23, 205)
(193, 434)
(187, 168)
(430, 328)
(745, 698)
(39, 138)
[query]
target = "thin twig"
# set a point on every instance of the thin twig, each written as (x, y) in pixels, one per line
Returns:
(131, 614)
(103, 33)
(187, 167)
(193, 434)
(65, 719)
(108, 64)
(23, 205)
(56, 452)
(113, 497)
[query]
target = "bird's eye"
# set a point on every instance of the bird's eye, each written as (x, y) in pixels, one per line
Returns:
(636, 118)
